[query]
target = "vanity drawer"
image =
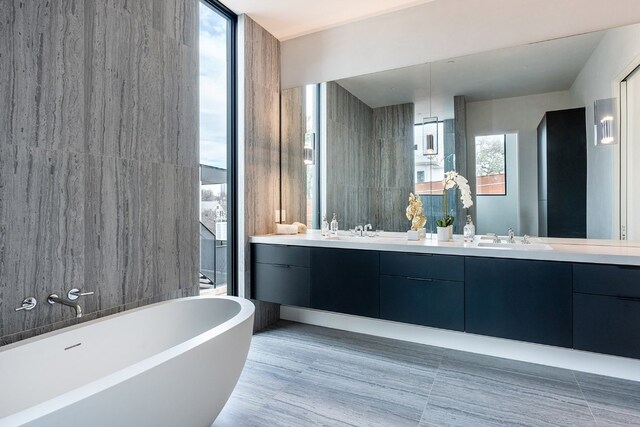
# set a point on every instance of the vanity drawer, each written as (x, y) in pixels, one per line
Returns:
(427, 302)
(422, 266)
(282, 284)
(613, 280)
(606, 324)
(280, 254)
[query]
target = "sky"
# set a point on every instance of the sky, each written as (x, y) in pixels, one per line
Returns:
(213, 88)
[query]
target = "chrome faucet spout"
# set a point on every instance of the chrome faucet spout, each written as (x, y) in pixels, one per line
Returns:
(511, 236)
(55, 299)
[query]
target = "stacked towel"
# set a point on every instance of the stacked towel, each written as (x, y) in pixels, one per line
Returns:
(295, 228)
(286, 229)
(302, 228)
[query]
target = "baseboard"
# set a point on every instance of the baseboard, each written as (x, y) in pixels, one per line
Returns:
(576, 360)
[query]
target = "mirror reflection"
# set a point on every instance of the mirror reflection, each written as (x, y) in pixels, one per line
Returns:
(545, 133)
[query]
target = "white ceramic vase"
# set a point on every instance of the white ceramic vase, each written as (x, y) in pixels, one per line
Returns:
(444, 233)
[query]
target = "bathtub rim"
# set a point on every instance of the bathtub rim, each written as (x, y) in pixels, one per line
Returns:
(70, 397)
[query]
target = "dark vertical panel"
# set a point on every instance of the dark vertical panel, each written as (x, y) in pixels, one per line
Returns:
(562, 171)
(517, 299)
(345, 281)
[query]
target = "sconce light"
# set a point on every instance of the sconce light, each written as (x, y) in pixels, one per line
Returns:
(603, 121)
(430, 136)
(309, 148)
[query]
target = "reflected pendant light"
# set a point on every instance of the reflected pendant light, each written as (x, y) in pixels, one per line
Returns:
(309, 148)
(430, 128)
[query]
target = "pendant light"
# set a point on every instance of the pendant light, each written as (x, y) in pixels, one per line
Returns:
(430, 128)
(309, 148)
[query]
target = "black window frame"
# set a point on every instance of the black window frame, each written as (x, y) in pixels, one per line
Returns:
(232, 142)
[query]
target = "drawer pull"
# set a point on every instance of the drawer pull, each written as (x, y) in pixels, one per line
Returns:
(282, 265)
(420, 278)
(628, 267)
(636, 299)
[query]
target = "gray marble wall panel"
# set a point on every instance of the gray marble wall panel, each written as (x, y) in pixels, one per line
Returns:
(261, 146)
(294, 171)
(460, 121)
(370, 157)
(98, 156)
(350, 146)
(42, 64)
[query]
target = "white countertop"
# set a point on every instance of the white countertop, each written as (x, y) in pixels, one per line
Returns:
(546, 249)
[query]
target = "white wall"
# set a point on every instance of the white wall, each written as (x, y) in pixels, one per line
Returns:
(616, 52)
(442, 29)
(519, 115)
(496, 214)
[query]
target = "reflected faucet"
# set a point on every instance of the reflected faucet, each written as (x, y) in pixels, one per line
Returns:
(494, 237)
(55, 299)
(368, 228)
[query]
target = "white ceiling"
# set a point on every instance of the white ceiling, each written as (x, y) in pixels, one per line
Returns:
(523, 70)
(286, 19)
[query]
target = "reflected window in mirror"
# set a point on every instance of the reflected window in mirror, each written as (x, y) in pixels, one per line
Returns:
(429, 168)
(491, 168)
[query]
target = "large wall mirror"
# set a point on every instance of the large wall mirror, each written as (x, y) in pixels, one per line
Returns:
(548, 135)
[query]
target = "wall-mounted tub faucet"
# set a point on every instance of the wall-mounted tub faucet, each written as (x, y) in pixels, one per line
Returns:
(55, 299)
(76, 293)
(28, 304)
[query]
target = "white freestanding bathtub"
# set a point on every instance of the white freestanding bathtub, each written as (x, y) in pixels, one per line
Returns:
(173, 363)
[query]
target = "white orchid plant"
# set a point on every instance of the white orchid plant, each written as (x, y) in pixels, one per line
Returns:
(453, 179)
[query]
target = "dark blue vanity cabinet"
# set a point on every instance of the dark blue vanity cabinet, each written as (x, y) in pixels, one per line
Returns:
(281, 274)
(346, 281)
(606, 304)
(422, 289)
(519, 299)
(588, 307)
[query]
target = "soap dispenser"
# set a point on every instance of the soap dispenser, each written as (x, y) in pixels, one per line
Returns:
(334, 225)
(469, 230)
(325, 227)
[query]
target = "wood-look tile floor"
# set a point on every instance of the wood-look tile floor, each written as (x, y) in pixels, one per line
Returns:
(302, 375)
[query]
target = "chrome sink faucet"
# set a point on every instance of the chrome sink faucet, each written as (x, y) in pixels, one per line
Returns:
(511, 236)
(367, 228)
(358, 229)
(496, 239)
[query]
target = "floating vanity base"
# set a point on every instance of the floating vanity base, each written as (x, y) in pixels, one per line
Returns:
(565, 358)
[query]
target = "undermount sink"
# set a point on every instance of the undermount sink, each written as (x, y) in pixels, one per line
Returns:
(516, 246)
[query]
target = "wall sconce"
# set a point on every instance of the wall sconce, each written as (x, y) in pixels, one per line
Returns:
(430, 136)
(603, 121)
(309, 148)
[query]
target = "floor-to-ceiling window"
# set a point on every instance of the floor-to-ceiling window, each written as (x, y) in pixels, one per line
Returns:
(217, 146)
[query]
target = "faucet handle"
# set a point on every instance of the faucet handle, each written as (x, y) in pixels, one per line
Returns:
(76, 293)
(495, 237)
(27, 304)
